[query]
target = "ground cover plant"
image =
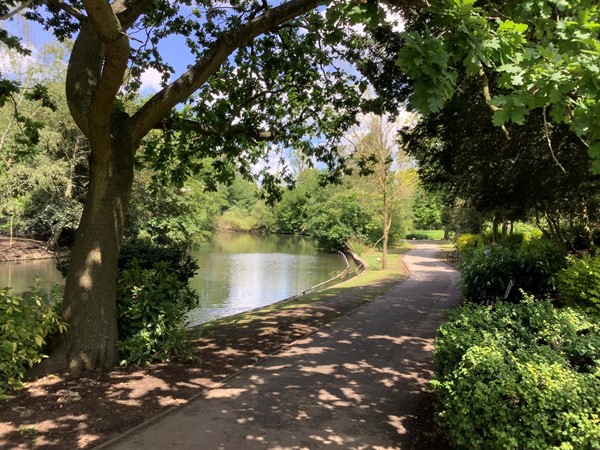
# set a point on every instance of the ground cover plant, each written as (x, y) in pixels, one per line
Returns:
(579, 283)
(519, 376)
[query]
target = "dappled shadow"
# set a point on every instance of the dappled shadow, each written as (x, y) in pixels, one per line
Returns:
(358, 384)
(58, 413)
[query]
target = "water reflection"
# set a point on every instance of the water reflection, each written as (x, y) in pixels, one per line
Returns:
(239, 272)
(21, 275)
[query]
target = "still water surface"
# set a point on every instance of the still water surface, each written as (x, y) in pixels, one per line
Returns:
(237, 272)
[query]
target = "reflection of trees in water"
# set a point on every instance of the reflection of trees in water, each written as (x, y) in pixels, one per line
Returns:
(21, 276)
(262, 243)
(248, 271)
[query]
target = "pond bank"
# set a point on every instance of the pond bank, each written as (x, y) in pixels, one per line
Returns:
(23, 249)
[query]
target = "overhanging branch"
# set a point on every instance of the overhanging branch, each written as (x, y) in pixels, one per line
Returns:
(184, 86)
(69, 9)
(17, 10)
(227, 131)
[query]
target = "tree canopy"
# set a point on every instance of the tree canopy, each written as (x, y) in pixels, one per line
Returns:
(546, 54)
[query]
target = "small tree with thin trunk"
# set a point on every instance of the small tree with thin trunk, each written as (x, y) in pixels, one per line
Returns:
(380, 158)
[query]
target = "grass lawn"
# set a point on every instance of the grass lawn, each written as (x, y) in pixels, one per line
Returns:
(436, 235)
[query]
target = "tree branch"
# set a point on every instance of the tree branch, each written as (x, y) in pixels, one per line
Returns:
(228, 131)
(115, 49)
(180, 89)
(69, 9)
(104, 20)
(488, 97)
(549, 141)
(17, 10)
(128, 11)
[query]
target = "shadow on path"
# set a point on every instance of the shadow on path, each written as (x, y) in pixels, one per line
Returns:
(358, 383)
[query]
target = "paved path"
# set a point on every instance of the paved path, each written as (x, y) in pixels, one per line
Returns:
(356, 384)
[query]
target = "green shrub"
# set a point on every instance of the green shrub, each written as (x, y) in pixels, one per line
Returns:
(519, 376)
(579, 283)
(487, 271)
(153, 299)
(496, 399)
(151, 306)
(512, 240)
(468, 242)
(25, 326)
(526, 325)
(239, 219)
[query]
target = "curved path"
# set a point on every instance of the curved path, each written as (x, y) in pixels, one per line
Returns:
(356, 384)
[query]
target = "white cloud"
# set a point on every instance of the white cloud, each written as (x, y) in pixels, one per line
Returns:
(151, 80)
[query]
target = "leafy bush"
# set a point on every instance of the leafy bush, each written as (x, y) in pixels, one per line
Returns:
(579, 283)
(508, 376)
(512, 240)
(25, 326)
(341, 219)
(238, 219)
(468, 242)
(153, 299)
(487, 271)
(575, 238)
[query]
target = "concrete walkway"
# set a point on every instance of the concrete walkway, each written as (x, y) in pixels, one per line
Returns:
(356, 384)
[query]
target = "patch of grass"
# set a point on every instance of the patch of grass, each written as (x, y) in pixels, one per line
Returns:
(28, 432)
(426, 234)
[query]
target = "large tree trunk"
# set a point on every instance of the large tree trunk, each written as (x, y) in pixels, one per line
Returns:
(89, 305)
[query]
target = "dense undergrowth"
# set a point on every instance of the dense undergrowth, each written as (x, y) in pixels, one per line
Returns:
(153, 299)
(523, 372)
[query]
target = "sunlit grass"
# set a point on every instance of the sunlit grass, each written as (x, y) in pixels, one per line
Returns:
(436, 235)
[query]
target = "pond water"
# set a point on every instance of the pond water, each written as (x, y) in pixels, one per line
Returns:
(237, 272)
(21, 275)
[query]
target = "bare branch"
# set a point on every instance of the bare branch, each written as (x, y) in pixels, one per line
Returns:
(488, 97)
(549, 141)
(17, 10)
